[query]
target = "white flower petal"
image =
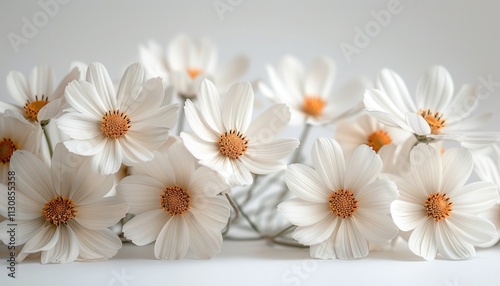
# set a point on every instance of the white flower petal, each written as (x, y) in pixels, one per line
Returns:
(316, 233)
(261, 167)
(240, 174)
(473, 229)
(325, 249)
(130, 85)
(349, 242)
(328, 161)
(435, 89)
(237, 107)
(475, 197)
(79, 126)
(184, 164)
(268, 124)
(110, 159)
(291, 70)
(306, 184)
(103, 213)
(427, 168)
(375, 227)
(423, 241)
(457, 168)
(134, 151)
(178, 52)
(83, 189)
(272, 150)
(362, 168)
(377, 196)
(198, 125)
(27, 207)
(34, 178)
(173, 240)
(462, 104)
(65, 250)
(98, 76)
(210, 105)
(51, 110)
(43, 240)
(96, 244)
(144, 228)
(303, 213)
(408, 216)
(141, 192)
(24, 229)
(203, 241)
(212, 212)
(449, 245)
(18, 87)
(201, 149)
(319, 78)
(83, 97)
(40, 82)
(206, 183)
(74, 74)
(88, 147)
(417, 124)
(391, 83)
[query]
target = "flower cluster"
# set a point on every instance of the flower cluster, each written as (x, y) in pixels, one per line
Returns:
(96, 163)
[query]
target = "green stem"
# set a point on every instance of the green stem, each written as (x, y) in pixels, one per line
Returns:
(283, 231)
(47, 138)
(302, 139)
(251, 189)
(233, 205)
(182, 116)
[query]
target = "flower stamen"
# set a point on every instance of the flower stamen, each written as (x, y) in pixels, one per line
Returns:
(175, 200)
(343, 203)
(232, 144)
(378, 139)
(32, 108)
(59, 210)
(438, 206)
(194, 72)
(7, 148)
(313, 105)
(434, 120)
(115, 124)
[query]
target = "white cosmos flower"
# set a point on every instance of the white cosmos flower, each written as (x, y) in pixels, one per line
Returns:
(188, 62)
(16, 133)
(340, 206)
(224, 140)
(436, 113)
(308, 92)
(176, 204)
(439, 209)
(365, 129)
(125, 126)
(35, 98)
(60, 211)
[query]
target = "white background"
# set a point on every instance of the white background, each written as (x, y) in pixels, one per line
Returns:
(461, 35)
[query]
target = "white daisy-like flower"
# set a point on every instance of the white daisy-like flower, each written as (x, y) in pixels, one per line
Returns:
(367, 130)
(340, 206)
(188, 62)
(60, 211)
(35, 98)
(126, 126)
(176, 204)
(308, 92)
(16, 133)
(436, 113)
(224, 140)
(439, 209)
(487, 168)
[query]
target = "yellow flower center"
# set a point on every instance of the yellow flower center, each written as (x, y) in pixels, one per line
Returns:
(313, 105)
(59, 210)
(232, 144)
(175, 200)
(378, 139)
(342, 203)
(7, 148)
(115, 124)
(438, 206)
(435, 120)
(32, 108)
(194, 72)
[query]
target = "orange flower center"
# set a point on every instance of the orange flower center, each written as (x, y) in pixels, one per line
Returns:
(232, 144)
(7, 148)
(378, 139)
(438, 206)
(342, 203)
(115, 124)
(59, 211)
(435, 120)
(313, 106)
(175, 200)
(194, 72)
(32, 108)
